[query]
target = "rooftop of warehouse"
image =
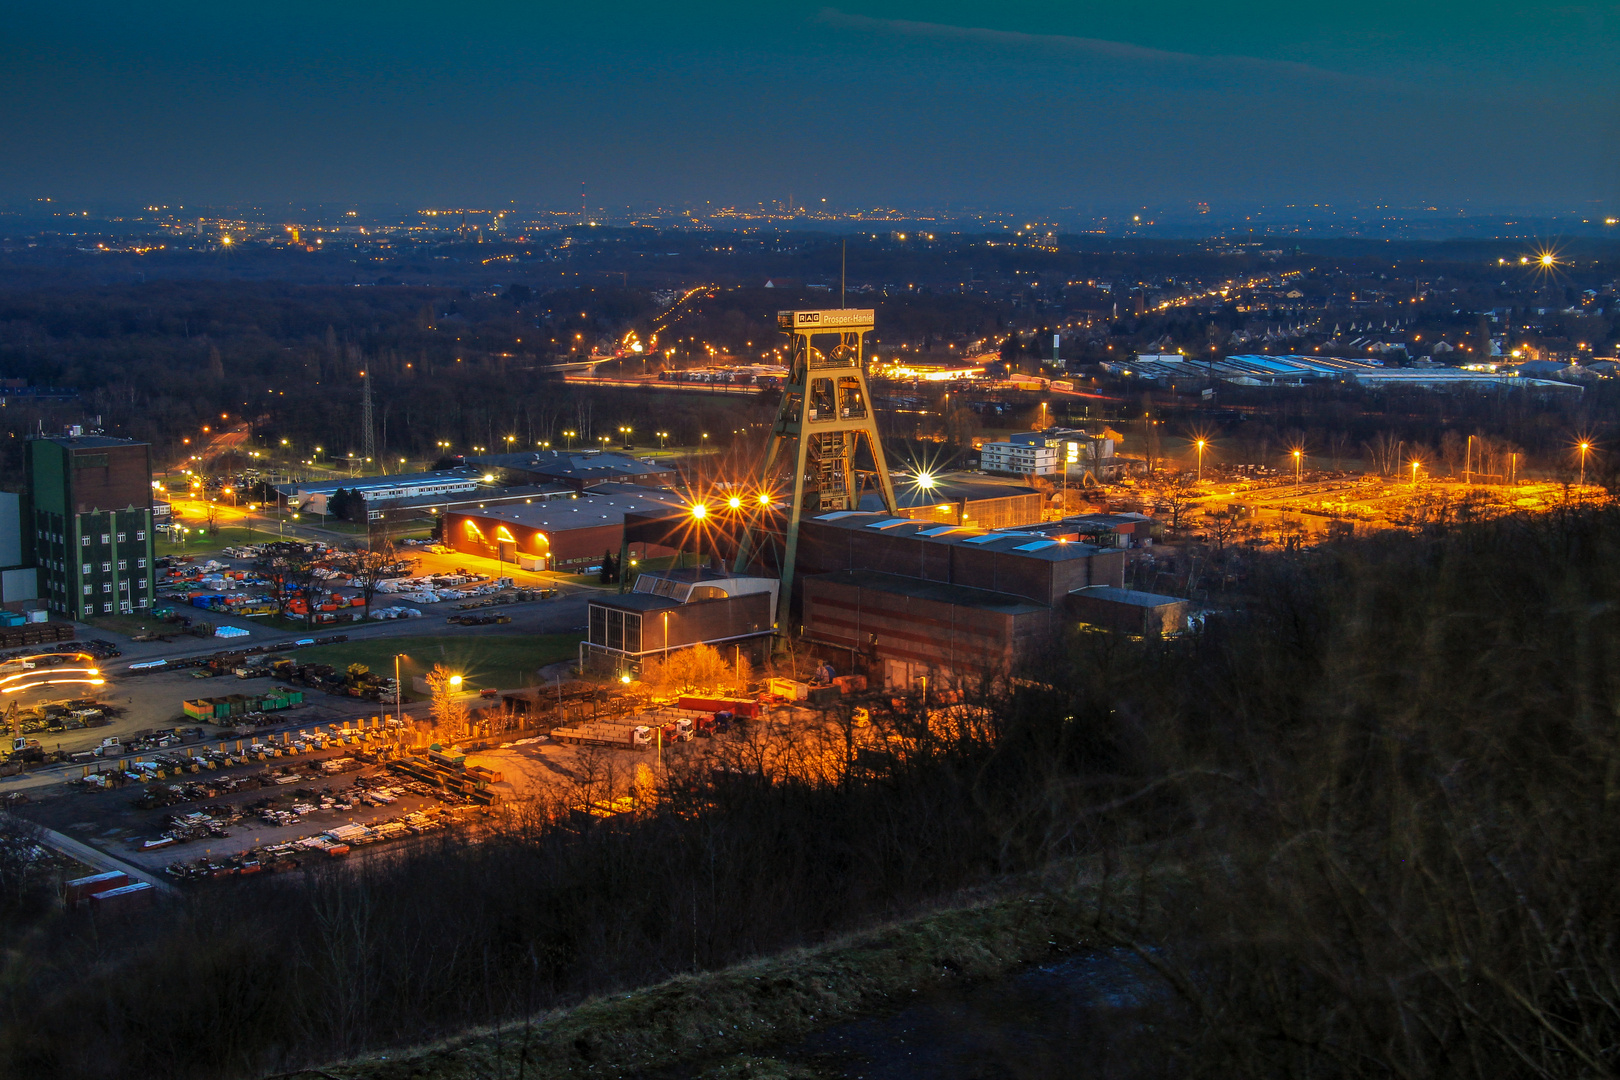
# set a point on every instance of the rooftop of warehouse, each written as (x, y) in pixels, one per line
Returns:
(359, 483)
(585, 464)
(595, 507)
(942, 592)
(1133, 597)
(636, 601)
(492, 493)
(948, 487)
(87, 442)
(1025, 543)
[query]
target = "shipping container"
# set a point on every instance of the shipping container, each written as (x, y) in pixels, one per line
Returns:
(83, 888)
(123, 895)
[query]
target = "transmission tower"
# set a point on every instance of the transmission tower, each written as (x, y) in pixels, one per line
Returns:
(368, 434)
(826, 409)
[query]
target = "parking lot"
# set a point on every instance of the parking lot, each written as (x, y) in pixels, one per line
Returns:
(192, 812)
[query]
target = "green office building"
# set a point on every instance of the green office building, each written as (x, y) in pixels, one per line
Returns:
(92, 523)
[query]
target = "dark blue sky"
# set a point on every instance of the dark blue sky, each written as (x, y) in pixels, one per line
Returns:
(1037, 105)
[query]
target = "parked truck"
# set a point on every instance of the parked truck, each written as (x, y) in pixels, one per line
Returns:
(622, 735)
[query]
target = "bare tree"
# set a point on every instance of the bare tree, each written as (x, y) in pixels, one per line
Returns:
(1221, 525)
(449, 711)
(1176, 498)
(368, 567)
(1384, 451)
(285, 574)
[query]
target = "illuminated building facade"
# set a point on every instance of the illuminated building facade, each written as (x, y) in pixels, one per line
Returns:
(92, 523)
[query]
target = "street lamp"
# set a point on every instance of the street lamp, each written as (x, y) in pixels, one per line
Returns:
(1415, 465)
(1586, 448)
(1201, 445)
(399, 696)
(1299, 465)
(570, 436)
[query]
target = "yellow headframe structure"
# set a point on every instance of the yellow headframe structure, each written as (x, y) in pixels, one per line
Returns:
(826, 409)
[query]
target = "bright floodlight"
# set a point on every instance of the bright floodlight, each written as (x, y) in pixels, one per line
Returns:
(455, 680)
(625, 678)
(734, 502)
(764, 498)
(1547, 260)
(700, 511)
(925, 481)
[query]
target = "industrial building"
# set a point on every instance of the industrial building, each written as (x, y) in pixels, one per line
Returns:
(19, 579)
(92, 523)
(1071, 453)
(1129, 611)
(672, 609)
(909, 628)
(1019, 457)
(577, 470)
(440, 484)
(558, 534)
(1260, 370)
(963, 499)
(907, 599)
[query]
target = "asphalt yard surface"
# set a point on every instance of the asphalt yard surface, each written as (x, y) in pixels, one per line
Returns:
(289, 799)
(115, 821)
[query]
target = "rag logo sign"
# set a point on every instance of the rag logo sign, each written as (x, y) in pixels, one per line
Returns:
(807, 317)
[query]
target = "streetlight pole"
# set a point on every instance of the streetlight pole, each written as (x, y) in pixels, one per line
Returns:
(1200, 461)
(1299, 465)
(1585, 447)
(399, 697)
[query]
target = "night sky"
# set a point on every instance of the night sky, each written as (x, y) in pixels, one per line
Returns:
(1014, 104)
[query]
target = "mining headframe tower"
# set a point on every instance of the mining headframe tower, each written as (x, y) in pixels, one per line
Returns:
(826, 411)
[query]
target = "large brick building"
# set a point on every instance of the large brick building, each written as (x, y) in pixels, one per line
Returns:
(559, 534)
(909, 599)
(92, 523)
